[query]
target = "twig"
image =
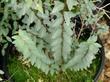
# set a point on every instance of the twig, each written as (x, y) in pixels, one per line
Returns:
(80, 32)
(106, 14)
(80, 29)
(74, 28)
(105, 11)
(105, 6)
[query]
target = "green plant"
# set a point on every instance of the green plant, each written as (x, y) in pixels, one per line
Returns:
(21, 72)
(46, 32)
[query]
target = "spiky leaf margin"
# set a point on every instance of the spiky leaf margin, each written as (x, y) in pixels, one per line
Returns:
(34, 54)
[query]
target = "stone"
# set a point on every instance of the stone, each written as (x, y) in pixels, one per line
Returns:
(107, 72)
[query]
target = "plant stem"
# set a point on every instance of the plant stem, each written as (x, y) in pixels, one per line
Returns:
(1, 10)
(80, 30)
(105, 5)
(59, 76)
(62, 33)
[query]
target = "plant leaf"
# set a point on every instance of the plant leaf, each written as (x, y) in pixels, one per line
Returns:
(71, 3)
(1, 72)
(26, 45)
(85, 54)
(58, 7)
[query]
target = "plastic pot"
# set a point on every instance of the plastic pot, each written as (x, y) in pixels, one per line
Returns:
(102, 62)
(3, 64)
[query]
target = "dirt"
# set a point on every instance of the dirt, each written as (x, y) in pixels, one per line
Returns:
(105, 76)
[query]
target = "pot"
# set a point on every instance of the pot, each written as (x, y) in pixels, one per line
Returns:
(3, 64)
(102, 62)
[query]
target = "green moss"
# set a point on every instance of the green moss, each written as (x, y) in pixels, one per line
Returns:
(22, 73)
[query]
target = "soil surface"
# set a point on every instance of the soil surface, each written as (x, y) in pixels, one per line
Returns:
(105, 76)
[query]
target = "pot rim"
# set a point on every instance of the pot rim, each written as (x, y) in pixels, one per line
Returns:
(102, 62)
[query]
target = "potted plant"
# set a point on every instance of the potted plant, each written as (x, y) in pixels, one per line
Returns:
(56, 36)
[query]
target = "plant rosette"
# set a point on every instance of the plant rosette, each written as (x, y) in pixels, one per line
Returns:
(53, 35)
(21, 70)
